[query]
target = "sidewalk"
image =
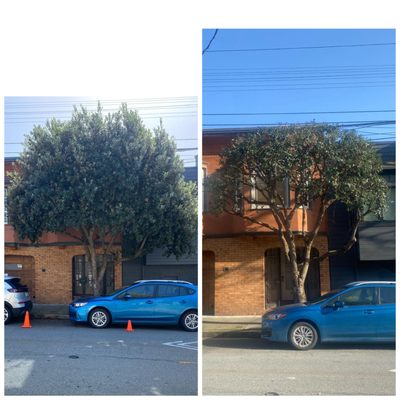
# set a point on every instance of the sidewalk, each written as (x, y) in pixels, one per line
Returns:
(50, 311)
(248, 326)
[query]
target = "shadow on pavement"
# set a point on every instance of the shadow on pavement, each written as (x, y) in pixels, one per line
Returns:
(250, 340)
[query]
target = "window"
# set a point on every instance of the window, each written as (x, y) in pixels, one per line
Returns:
(5, 206)
(183, 291)
(390, 213)
(142, 291)
(387, 295)
(205, 197)
(168, 291)
(173, 291)
(358, 297)
(259, 198)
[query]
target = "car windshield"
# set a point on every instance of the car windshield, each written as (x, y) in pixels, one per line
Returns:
(324, 297)
(117, 291)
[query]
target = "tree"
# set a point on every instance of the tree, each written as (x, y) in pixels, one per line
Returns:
(100, 178)
(319, 165)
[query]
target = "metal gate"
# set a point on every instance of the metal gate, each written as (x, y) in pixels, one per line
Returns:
(82, 276)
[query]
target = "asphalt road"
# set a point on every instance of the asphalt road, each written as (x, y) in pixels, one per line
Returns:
(58, 358)
(251, 366)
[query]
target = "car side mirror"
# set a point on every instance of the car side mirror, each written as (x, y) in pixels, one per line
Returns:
(127, 296)
(338, 304)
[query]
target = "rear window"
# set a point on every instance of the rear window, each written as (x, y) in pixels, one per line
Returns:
(16, 283)
(184, 291)
(387, 295)
(173, 291)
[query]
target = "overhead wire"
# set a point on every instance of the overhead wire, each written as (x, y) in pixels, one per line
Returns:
(302, 47)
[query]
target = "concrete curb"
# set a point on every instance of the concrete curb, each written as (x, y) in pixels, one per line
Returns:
(237, 334)
(50, 311)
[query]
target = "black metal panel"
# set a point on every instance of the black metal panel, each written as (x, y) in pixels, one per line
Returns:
(377, 241)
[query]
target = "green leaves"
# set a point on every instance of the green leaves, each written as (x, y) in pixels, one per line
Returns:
(106, 173)
(321, 163)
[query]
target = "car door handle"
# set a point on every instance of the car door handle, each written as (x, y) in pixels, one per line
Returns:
(183, 302)
(149, 301)
(369, 312)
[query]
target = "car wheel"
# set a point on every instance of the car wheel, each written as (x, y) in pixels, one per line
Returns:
(303, 336)
(190, 321)
(8, 315)
(99, 318)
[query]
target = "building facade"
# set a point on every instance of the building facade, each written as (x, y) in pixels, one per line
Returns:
(157, 266)
(57, 272)
(244, 272)
(373, 255)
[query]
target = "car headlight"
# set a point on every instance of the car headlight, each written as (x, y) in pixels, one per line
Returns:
(275, 316)
(79, 304)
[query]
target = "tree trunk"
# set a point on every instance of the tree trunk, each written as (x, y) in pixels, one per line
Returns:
(299, 293)
(102, 266)
(92, 259)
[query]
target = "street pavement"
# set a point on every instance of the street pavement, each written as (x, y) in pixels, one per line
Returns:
(57, 357)
(237, 362)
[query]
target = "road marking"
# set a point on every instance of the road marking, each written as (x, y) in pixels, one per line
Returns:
(291, 377)
(183, 345)
(17, 372)
(392, 370)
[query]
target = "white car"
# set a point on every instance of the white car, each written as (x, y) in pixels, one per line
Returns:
(16, 298)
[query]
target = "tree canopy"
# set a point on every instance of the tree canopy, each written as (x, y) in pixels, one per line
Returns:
(318, 165)
(97, 177)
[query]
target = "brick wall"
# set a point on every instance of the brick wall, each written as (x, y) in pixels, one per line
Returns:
(52, 266)
(240, 272)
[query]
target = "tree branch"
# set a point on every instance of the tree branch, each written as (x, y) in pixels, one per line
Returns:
(254, 220)
(346, 247)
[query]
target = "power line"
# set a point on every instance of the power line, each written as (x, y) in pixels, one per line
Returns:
(299, 113)
(63, 101)
(302, 47)
(296, 70)
(341, 123)
(293, 87)
(209, 43)
(295, 75)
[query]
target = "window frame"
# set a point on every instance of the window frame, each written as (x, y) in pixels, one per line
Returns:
(153, 296)
(374, 300)
(6, 216)
(286, 195)
(379, 295)
(166, 285)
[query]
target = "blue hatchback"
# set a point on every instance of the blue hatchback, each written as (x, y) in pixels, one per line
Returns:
(358, 312)
(158, 302)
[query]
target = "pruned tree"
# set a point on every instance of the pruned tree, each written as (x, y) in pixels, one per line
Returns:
(285, 171)
(100, 178)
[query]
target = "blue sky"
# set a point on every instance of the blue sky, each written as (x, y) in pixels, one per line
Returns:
(179, 116)
(325, 84)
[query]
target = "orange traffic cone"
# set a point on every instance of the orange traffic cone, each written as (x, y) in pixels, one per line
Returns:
(129, 327)
(27, 323)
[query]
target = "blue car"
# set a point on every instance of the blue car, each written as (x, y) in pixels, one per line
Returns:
(358, 312)
(158, 302)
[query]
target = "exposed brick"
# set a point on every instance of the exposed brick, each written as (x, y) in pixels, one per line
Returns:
(239, 262)
(47, 271)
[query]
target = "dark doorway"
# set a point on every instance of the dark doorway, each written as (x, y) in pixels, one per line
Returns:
(208, 283)
(82, 277)
(279, 281)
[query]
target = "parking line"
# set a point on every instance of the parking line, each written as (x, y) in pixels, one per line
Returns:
(182, 345)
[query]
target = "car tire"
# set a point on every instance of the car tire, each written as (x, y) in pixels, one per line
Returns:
(303, 336)
(99, 318)
(189, 321)
(8, 314)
